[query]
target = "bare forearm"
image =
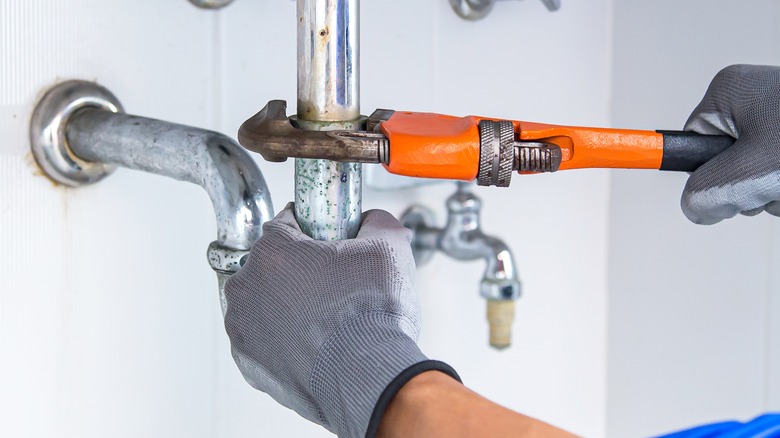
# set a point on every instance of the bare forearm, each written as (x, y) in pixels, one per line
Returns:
(433, 404)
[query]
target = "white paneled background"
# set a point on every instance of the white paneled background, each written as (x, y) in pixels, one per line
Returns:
(694, 312)
(109, 319)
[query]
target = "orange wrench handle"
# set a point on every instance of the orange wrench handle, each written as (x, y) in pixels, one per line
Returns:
(439, 146)
(585, 147)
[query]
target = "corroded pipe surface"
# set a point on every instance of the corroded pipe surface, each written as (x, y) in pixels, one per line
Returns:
(328, 194)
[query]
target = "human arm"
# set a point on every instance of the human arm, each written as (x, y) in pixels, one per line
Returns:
(434, 405)
(743, 101)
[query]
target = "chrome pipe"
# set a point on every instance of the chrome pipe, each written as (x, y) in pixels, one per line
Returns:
(328, 194)
(231, 178)
(328, 60)
(212, 160)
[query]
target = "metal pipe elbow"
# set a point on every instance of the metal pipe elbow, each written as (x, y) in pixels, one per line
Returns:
(226, 172)
(238, 191)
(78, 135)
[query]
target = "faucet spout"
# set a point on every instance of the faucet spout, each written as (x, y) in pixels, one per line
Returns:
(462, 238)
(500, 281)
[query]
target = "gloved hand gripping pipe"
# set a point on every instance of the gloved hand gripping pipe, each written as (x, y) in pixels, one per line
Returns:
(78, 135)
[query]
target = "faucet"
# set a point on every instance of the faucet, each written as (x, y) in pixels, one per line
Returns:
(462, 239)
(79, 135)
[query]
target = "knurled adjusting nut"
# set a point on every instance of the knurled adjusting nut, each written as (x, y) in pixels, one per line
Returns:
(496, 153)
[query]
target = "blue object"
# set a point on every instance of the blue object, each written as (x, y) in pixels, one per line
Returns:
(765, 426)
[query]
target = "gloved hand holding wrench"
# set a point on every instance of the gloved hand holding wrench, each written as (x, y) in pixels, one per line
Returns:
(742, 102)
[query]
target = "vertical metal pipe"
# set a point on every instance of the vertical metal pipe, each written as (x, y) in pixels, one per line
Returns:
(328, 194)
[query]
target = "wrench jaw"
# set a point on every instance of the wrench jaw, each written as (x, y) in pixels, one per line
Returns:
(377, 117)
(274, 136)
(261, 132)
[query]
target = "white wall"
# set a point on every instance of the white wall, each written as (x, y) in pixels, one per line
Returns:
(109, 322)
(694, 312)
(107, 311)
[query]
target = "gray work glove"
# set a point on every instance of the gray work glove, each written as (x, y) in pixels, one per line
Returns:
(743, 101)
(329, 329)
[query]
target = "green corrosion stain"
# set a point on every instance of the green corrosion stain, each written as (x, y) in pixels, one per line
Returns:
(324, 191)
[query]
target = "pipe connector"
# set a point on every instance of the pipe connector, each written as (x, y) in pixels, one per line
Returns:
(462, 239)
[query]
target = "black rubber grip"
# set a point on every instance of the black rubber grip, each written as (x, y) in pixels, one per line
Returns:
(685, 151)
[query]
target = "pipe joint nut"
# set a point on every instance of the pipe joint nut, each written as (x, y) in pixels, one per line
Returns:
(224, 259)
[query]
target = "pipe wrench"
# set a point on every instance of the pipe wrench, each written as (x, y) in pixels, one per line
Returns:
(487, 149)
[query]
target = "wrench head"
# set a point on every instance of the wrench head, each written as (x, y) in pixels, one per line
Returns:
(272, 134)
(268, 124)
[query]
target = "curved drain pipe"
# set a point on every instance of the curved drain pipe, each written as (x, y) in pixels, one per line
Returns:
(79, 134)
